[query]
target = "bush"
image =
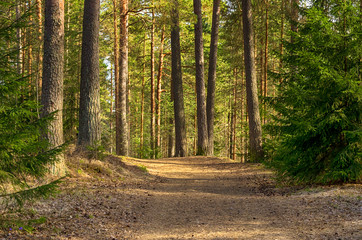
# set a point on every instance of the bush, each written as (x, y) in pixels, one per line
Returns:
(317, 124)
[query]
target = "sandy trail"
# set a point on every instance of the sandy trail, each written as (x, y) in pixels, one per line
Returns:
(211, 198)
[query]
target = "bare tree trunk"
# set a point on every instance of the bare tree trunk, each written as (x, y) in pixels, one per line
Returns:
(116, 63)
(176, 75)
(159, 89)
(242, 125)
(202, 140)
(255, 134)
(143, 95)
(52, 85)
(122, 126)
(210, 105)
(153, 117)
(89, 105)
(294, 17)
(39, 55)
(266, 56)
(19, 39)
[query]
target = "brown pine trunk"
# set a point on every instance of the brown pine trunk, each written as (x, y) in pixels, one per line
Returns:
(116, 62)
(242, 125)
(202, 140)
(159, 89)
(39, 57)
(266, 57)
(143, 95)
(255, 134)
(52, 85)
(122, 126)
(89, 105)
(19, 40)
(210, 105)
(153, 117)
(176, 75)
(294, 17)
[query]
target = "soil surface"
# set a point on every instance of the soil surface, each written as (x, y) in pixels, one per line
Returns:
(191, 198)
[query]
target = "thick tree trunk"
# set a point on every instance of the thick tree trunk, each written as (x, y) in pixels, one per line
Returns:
(202, 140)
(210, 105)
(159, 89)
(52, 85)
(176, 75)
(153, 117)
(255, 134)
(89, 105)
(122, 126)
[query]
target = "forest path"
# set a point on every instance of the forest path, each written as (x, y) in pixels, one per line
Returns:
(213, 198)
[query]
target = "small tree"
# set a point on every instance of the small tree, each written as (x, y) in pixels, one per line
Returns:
(317, 124)
(24, 155)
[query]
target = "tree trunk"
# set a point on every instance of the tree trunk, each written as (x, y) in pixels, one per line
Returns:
(19, 39)
(116, 62)
(159, 89)
(202, 140)
(89, 105)
(143, 96)
(153, 117)
(52, 85)
(266, 57)
(176, 75)
(122, 126)
(294, 17)
(210, 106)
(255, 134)
(39, 55)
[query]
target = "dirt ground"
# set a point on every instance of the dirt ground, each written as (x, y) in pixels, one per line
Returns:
(191, 198)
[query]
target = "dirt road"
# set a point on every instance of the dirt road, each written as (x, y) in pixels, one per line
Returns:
(211, 198)
(189, 198)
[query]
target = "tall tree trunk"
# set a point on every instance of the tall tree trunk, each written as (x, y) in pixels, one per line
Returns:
(210, 105)
(255, 134)
(39, 55)
(52, 85)
(122, 126)
(116, 61)
(89, 105)
(153, 117)
(294, 17)
(176, 75)
(19, 39)
(143, 96)
(242, 126)
(159, 89)
(202, 139)
(266, 56)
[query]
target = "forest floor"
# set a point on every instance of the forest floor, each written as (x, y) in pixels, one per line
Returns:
(190, 198)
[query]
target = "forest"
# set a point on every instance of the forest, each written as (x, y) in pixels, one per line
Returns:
(116, 92)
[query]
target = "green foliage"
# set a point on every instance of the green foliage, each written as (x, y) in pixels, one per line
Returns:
(317, 125)
(96, 152)
(24, 155)
(16, 224)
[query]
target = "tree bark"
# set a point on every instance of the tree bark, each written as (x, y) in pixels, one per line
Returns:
(153, 117)
(176, 75)
(202, 139)
(210, 105)
(89, 105)
(159, 89)
(143, 96)
(116, 62)
(52, 84)
(255, 133)
(266, 56)
(122, 126)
